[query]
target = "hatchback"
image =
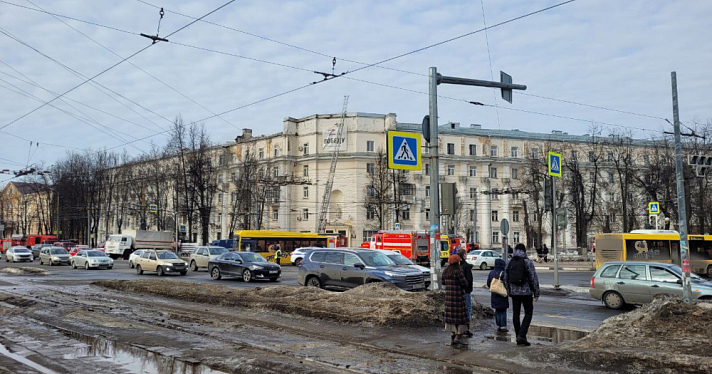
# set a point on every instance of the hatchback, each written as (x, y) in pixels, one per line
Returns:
(483, 259)
(618, 283)
(54, 256)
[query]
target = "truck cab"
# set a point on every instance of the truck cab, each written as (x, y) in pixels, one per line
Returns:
(117, 245)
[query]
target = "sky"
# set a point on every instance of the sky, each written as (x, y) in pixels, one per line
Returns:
(610, 54)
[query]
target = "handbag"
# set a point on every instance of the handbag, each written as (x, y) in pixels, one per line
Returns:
(496, 286)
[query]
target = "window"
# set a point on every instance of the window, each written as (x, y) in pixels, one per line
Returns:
(516, 237)
(219, 217)
(451, 170)
(610, 156)
(276, 151)
(367, 234)
(427, 191)
(220, 197)
(369, 145)
(574, 155)
(305, 170)
(427, 169)
(591, 156)
(305, 213)
(495, 236)
(370, 168)
(306, 149)
(515, 196)
(427, 214)
(494, 193)
(275, 171)
(646, 159)
(473, 150)
(658, 274)
(515, 216)
(305, 192)
(334, 258)
(610, 177)
(261, 153)
(351, 259)
(405, 214)
(370, 191)
(493, 151)
(275, 214)
(233, 197)
(610, 272)
(233, 177)
(473, 171)
(473, 192)
(493, 172)
(535, 153)
(515, 173)
(234, 158)
(515, 152)
(633, 272)
(370, 213)
(450, 148)
(221, 178)
(591, 176)
(221, 160)
(495, 216)
(472, 215)
(408, 189)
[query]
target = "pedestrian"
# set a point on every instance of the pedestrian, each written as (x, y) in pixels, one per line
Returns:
(278, 254)
(545, 252)
(522, 285)
(500, 303)
(456, 320)
(466, 268)
(454, 250)
(539, 255)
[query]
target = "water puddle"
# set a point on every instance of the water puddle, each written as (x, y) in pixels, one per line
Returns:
(156, 360)
(27, 362)
(546, 334)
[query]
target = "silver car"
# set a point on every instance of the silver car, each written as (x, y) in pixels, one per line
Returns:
(618, 283)
(54, 256)
(18, 253)
(403, 261)
(92, 259)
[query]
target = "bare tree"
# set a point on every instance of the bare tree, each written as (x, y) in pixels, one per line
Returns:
(379, 192)
(581, 183)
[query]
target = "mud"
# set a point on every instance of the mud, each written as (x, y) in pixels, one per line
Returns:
(377, 304)
(24, 271)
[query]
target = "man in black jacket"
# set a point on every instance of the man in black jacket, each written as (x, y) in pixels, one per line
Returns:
(467, 272)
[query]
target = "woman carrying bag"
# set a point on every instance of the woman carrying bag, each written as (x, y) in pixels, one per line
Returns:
(500, 303)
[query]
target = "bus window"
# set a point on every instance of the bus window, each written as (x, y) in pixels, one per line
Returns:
(642, 250)
(700, 250)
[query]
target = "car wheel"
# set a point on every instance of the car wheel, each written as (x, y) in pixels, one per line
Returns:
(314, 281)
(215, 273)
(246, 275)
(483, 266)
(296, 262)
(41, 261)
(74, 265)
(131, 265)
(159, 271)
(138, 270)
(86, 265)
(613, 300)
(193, 266)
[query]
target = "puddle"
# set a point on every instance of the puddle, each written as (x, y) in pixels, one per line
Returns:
(5, 352)
(546, 334)
(155, 360)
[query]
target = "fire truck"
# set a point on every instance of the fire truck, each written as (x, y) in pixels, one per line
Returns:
(411, 244)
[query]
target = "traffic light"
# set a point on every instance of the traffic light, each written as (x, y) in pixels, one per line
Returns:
(651, 221)
(547, 195)
(701, 163)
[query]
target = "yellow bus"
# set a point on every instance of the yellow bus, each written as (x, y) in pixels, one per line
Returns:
(655, 246)
(265, 242)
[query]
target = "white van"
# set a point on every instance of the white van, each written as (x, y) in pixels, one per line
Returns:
(117, 244)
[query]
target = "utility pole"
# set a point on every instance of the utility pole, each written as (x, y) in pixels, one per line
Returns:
(434, 183)
(681, 207)
(553, 233)
(474, 220)
(88, 227)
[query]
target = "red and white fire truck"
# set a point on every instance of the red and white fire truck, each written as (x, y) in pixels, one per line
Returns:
(412, 244)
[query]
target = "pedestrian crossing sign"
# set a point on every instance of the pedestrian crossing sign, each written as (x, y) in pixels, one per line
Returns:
(555, 164)
(404, 150)
(654, 207)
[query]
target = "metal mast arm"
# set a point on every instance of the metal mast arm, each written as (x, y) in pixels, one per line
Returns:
(321, 224)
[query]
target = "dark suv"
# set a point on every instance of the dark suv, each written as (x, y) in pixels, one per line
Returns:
(349, 268)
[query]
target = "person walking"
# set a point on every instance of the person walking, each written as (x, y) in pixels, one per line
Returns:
(456, 320)
(545, 252)
(500, 303)
(278, 254)
(466, 268)
(522, 286)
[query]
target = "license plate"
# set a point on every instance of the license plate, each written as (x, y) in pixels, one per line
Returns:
(418, 285)
(273, 271)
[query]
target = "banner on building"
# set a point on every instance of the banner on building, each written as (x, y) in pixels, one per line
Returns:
(331, 140)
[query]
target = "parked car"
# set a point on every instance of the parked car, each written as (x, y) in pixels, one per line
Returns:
(134, 255)
(92, 259)
(54, 256)
(162, 262)
(18, 253)
(403, 261)
(246, 265)
(203, 255)
(618, 283)
(352, 267)
(483, 258)
(298, 254)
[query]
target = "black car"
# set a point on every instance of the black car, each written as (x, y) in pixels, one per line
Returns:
(349, 268)
(246, 265)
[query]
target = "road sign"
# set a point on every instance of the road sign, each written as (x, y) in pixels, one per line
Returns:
(153, 208)
(397, 226)
(504, 226)
(404, 150)
(654, 207)
(555, 164)
(181, 228)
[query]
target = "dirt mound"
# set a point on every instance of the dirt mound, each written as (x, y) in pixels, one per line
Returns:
(378, 304)
(24, 271)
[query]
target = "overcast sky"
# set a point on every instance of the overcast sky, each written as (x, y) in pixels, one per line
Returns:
(608, 53)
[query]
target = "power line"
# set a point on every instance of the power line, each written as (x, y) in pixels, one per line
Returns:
(592, 106)
(489, 57)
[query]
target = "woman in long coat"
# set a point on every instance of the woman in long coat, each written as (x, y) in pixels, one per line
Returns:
(456, 318)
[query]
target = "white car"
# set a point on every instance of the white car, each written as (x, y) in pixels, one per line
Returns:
(298, 254)
(483, 258)
(401, 260)
(136, 254)
(202, 256)
(18, 253)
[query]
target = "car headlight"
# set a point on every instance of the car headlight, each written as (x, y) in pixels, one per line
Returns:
(394, 275)
(257, 267)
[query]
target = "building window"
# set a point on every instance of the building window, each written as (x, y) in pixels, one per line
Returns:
(515, 152)
(370, 213)
(493, 172)
(591, 156)
(370, 168)
(451, 170)
(516, 237)
(305, 192)
(427, 214)
(306, 149)
(275, 214)
(646, 159)
(408, 189)
(610, 156)
(515, 196)
(233, 197)
(610, 177)
(221, 178)
(367, 234)
(493, 151)
(405, 214)
(369, 145)
(473, 171)
(515, 216)
(221, 160)
(535, 153)
(574, 155)
(261, 153)
(305, 213)
(495, 216)
(275, 171)
(473, 192)
(494, 193)
(591, 176)
(495, 236)
(427, 169)
(450, 148)
(276, 151)
(219, 217)
(473, 150)
(515, 173)
(233, 177)
(305, 170)
(370, 191)
(234, 158)
(427, 191)
(220, 197)
(472, 215)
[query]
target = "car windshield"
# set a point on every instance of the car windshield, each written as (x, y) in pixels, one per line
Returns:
(167, 256)
(252, 257)
(58, 251)
(21, 250)
(95, 254)
(376, 259)
(677, 270)
(217, 251)
(399, 259)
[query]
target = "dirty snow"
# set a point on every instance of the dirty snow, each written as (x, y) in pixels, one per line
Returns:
(24, 271)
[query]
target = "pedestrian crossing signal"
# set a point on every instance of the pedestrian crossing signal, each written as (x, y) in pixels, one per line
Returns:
(555, 164)
(404, 150)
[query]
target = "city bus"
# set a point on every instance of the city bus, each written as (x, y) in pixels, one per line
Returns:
(265, 242)
(655, 246)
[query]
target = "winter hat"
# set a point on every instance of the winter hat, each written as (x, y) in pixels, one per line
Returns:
(454, 259)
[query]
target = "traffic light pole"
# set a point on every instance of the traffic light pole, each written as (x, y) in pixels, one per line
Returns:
(436, 281)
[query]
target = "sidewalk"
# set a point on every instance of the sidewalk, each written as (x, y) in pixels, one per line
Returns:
(547, 289)
(566, 266)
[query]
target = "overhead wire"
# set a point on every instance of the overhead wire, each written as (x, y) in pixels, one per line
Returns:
(489, 57)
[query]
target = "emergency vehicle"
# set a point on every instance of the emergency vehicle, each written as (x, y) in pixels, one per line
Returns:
(411, 244)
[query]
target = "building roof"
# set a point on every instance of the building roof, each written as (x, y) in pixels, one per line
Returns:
(29, 188)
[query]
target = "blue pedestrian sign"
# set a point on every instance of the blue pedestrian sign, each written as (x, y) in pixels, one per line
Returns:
(555, 164)
(404, 150)
(181, 228)
(153, 208)
(654, 207)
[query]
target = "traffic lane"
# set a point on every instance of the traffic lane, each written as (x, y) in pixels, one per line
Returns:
(566, 278)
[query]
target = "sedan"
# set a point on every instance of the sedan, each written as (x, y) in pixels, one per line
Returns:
(92, 259)
(246, 265)
(18, 253)
(134, 256)
(482, 259)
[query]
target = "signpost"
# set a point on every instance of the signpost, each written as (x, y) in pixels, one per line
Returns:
(153, 208)
(654, 211)
(181, 228)
(504, 229)
(554, 162)
(404, 150)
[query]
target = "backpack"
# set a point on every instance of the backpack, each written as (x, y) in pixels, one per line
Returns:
(517, 271)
